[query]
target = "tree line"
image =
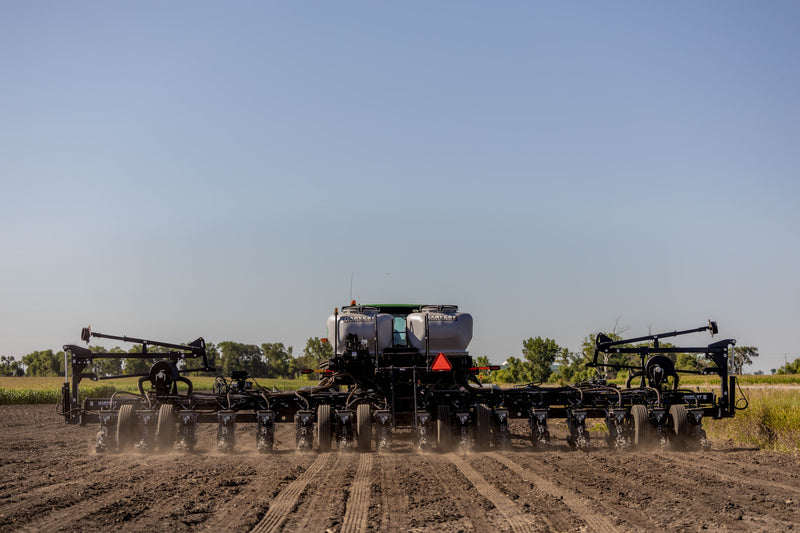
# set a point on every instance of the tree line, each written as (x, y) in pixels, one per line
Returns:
(268, 360)
(276, 360)
(540, 356)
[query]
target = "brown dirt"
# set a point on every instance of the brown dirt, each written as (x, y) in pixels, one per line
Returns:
(51, 479)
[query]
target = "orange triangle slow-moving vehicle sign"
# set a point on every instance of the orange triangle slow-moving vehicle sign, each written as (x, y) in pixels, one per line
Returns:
(441, 363)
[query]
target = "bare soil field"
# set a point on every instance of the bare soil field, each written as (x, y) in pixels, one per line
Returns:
(51, 479)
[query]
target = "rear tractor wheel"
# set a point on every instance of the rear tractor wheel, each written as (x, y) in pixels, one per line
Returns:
(483, 426)
(166, 430)
(644, 434)
(680, 426)
(126, 427)
(364, 427)
(324, 428)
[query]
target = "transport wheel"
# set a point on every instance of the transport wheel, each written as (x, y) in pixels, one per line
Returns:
(444, 435)
(643, 431)
(166, 430)
(364, 423)
(680, 424)
(324, 428)
(483, 420)
(126, 427)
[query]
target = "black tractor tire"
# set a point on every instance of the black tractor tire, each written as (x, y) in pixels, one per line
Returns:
(643, 430)
(167, 428)
(364, 429)
(483, 421)
(680, 425)
(126, 427)
(444, 434)
(324, 428)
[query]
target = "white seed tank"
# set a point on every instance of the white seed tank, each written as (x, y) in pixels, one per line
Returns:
(361, 321)
(448, 330)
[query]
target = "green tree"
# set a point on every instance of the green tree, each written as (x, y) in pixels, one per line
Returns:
(792, 367)
(212, 355)
(687, 361)
(238, 356)
(44, 363)
(10, 366)
(314, 353)
(482, 360)
(741, 356)
(135, 365)
(570, 364)
(278, 360)
(515, 371)
(107, 367)
(540, 354)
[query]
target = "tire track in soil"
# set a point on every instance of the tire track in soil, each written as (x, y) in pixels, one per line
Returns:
(596, 475)
(464, 502)
(394, 501)
(252, 494)
(285, 502)
(549, 513)
(595, 521)
(327, 499)
(355, 517)
(515, 518)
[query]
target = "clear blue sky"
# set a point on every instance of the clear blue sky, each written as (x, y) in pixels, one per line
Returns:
(170, 170)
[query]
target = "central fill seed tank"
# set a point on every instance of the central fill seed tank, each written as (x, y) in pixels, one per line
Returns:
(361, 321)
(448, 330)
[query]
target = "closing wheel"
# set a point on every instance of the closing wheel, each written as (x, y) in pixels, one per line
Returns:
(643, 432)
(483, 421)
(126, 427)
(166, 429)
(680, 425)
(364, 423)
(444, 435)
(324, 428)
